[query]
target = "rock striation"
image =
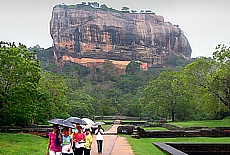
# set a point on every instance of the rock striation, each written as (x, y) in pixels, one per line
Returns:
(96, 34)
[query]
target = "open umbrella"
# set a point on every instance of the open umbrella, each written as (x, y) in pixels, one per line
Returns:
(89, 123)
(52, 121)
(61, 122)
(76, 120)
(98, 123)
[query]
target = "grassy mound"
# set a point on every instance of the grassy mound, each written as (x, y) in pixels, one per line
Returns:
(206, 123)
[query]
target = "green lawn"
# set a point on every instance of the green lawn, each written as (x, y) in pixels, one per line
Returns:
(104, 121)
(144, 146)
(153, 128)
(22, 144)
(207, 123)
(105, 127)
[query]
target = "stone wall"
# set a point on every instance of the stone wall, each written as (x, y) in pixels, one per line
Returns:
(125, 130)
(40, 131)
(123, 118)
(183, 133)
(200, 148)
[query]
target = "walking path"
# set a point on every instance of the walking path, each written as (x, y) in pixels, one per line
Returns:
(113, 144)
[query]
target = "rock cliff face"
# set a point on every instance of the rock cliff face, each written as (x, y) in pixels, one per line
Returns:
(118, 36)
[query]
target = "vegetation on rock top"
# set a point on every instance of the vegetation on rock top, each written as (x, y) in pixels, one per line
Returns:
(95, 6)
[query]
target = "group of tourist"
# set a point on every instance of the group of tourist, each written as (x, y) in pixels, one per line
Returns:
(73, 142)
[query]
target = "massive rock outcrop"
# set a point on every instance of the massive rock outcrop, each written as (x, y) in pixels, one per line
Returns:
(88, 34)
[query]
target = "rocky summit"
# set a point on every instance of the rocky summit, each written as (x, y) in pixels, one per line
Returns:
(90, 35)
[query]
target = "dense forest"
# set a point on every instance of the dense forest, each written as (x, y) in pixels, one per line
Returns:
(34, 89)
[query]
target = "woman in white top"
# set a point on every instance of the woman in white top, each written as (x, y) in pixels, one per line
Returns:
(99, 138)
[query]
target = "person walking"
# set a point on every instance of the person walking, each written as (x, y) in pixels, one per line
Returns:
(54, 142)
(79, 139)
(67, 142)
(88, 142)
(99, 138)
(71, 133)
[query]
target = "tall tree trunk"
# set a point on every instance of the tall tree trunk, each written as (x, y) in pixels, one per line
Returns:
(173, 116)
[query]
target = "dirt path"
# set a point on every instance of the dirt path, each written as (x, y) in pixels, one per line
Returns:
(113, 144)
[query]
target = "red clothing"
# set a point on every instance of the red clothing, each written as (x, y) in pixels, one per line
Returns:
(53, 147)
(79, 137)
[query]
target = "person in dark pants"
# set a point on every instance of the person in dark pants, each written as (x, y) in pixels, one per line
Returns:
(79, 139)
(99, 138)
(88, 142)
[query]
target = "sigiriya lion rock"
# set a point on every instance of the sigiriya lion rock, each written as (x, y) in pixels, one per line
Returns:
(89, 35)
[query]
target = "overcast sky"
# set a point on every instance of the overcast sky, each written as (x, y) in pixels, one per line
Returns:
(206, 23)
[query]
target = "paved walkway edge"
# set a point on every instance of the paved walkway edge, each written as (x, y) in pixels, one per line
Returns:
(113, 146)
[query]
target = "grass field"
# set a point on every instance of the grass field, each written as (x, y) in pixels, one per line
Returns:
(105, 127)
(207, 123)
(153, 128)
(104, 121)
(22, 144)
(144, 146)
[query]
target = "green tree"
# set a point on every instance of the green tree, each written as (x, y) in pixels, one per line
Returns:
(208, 80)
(166, 95)
(124, 8)
(19, 77)
(96, 4)
(104, 7)
(133, 67)
(148, 11)
(211, 76)
(43, 107)
(222, 54)
(35, 48)
(55, 87)
(221, 82)
(134, 11)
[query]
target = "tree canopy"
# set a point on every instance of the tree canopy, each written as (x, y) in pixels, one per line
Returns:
(19, 78)
(31, 92)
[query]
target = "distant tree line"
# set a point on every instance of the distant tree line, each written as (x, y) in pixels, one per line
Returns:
(36, 90)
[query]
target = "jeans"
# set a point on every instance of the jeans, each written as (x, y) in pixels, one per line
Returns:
(87, 151)
(99, 146)
(79, 151)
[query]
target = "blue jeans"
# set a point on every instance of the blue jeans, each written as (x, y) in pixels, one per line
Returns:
(99, 146)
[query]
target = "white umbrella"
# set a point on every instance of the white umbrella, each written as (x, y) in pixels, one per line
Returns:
(98, 123)
(89, 123)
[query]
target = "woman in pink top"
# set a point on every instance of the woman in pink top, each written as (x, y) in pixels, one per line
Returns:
(54, 144)
(79, 139)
